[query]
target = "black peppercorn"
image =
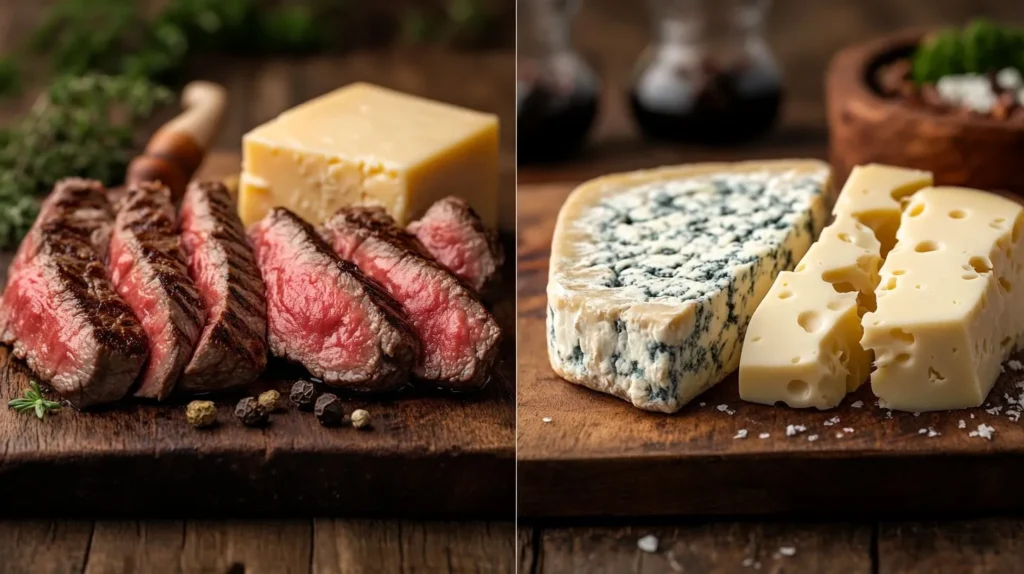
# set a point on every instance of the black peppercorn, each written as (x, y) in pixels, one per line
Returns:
(250, 412)
(329, 410)
(303, 394)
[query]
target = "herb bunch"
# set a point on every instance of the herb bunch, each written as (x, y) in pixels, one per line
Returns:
(34, 401)
(980, 48)
(81, 126)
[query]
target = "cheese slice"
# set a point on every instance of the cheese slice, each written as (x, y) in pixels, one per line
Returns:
(949, 301)
(803, 343)
(654, 275)
(874, 194)
(366, 145)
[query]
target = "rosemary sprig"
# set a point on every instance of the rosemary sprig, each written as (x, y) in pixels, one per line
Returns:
(980, 48)
(34, 401)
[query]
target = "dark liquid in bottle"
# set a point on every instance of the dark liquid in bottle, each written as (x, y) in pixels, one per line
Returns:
(710, 106)
(553, 126)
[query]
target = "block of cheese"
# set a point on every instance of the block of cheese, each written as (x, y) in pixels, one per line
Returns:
(654, 274)
(803, 343)
(873, 194)
(363, 144)
(949, 300)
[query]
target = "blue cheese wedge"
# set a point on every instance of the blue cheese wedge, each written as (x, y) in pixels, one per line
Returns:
(655, 274)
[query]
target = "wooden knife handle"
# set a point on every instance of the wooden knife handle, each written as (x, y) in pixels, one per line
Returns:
(176, 150)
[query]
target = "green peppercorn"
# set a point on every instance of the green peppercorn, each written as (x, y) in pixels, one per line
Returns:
(250, 412)
(201, 414)
(329, 410)
(303, 394)
(269, 400)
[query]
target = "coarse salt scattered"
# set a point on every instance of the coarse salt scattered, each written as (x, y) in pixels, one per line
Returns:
(1016, 365)
(725, 409)
(812, 438)
(546, 419)
(793, 430)
(972, 415)
(831, 421)
(848, 429)
(933, 433)
(787, 551)
(994, 410)
(747, 562)
(742, 433)
(1014, 416)
(922, 431)
(648, 543)
(839, 435)
(961, 424)
(764, 435)
(857, 404)
(703, 404)
(917, 414)
(984, 431)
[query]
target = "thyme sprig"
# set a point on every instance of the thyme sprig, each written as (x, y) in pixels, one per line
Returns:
(980, 48)
(34, 401)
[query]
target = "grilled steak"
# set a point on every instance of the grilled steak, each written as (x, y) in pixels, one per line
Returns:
(454, 234)
(324, 313)
(60, 311)
(232, 348)
(148, 269)
(459, 337)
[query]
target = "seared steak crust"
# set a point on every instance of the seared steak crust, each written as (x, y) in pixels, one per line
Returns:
(60, 311)
(148, 269)
(459, 337)
(232, 349)
(458, 239)
(324, 313)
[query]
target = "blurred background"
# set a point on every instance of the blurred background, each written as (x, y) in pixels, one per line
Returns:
(611, 37)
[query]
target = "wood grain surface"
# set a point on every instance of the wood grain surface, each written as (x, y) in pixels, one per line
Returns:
(320, 546)
(428, 455)
(583, 453)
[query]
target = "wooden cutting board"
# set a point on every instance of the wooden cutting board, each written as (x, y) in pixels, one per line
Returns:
(429, 454)
(583, 453)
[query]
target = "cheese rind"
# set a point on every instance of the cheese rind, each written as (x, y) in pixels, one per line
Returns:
(803, 343)
(949, 301)
(873, 194)
(654, 274)
(362, 145)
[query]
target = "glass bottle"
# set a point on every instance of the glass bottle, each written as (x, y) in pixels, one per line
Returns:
(708, 76)
(557, 92)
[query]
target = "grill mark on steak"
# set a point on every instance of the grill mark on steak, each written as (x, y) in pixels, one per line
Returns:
(232, 349)
(60, 312)
(323, 313)
(148, 269)
(459, 337)
(457, 238)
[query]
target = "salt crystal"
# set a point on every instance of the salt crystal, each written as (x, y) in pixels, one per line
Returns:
(984, 431)
(812, 438)
(831, 421)
(742, 433)
(994, 410)
(703, 404)
(725, 409)
(933, 433)
(922, 431)
(648, 543)
(747, 562)
(857, 404)
(546, 419)
(763, 435)
(793, 430)
(848, 429)
(1016, 365)
(961, 424)
(787, 551)
(839, 435)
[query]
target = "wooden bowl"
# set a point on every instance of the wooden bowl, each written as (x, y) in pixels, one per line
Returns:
(866, 127)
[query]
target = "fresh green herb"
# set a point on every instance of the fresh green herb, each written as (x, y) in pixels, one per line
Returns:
(980, 48)
(34, 401)
(82, 126)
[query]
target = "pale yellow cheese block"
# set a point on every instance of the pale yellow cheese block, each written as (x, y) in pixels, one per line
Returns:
(802, 346)
(873, 194)
(804, 349)
(367, 145)
(950, 305)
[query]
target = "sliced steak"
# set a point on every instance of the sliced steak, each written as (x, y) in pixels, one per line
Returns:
(324, 313)
(232, 349)
(148, 269)
(459, 337)
(455, 235)
(60, 311)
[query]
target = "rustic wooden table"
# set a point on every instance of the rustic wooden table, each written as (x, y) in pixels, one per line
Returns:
(804, 35)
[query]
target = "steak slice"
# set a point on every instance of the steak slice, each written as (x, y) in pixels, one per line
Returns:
(60, 311)
(148, 269)
(454, 235)
(232, 349)
(324, 313)
(459, 337)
